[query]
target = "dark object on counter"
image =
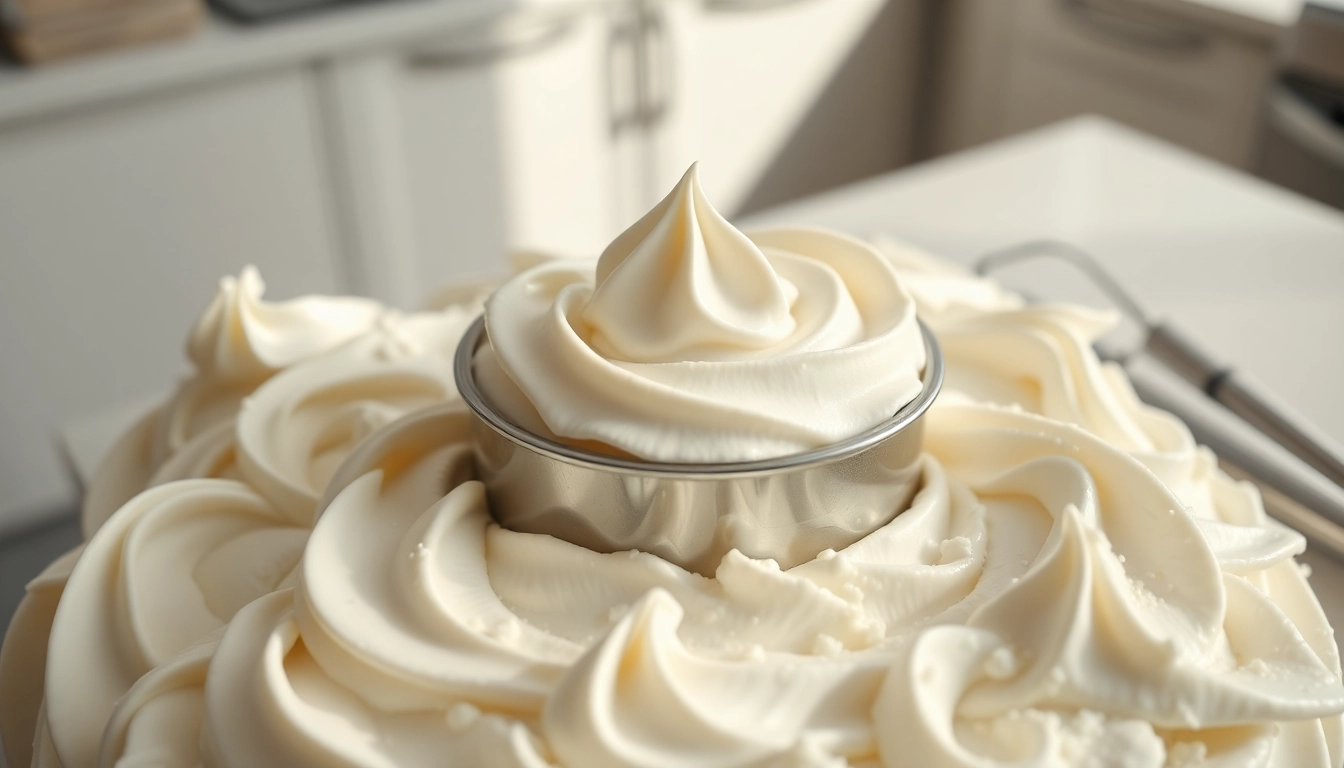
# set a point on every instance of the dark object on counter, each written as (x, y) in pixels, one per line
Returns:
(40, 31)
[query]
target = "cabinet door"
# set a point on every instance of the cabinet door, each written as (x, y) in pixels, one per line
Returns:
(781, 98)
(115, 226)
(564, 140)
(1046, 60)
(465, 146)
(1185, 82)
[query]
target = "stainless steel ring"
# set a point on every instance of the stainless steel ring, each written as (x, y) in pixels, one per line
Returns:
(789, 508)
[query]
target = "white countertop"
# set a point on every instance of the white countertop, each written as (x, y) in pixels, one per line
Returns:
(1254, 272)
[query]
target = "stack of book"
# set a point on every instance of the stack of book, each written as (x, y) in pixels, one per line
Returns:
(39, 31)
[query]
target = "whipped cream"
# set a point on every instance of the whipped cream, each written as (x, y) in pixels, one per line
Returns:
(238, 342)
(1045, 601)
(240, 336)
(320, 583)
(205, 504)
(692, 342)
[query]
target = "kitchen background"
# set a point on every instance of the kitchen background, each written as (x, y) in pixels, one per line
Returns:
(384, 148)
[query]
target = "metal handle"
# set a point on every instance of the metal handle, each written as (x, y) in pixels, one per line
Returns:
(1182, 356)
(1321, 534)
(1242, 395)
(1139, 31)
(1237, 442)
(511, 38)
(624, 72)
(1176, 350)
(657, 70)
(748, 6)
(1252, 402)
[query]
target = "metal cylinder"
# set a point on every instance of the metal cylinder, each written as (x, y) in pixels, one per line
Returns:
(788, 508)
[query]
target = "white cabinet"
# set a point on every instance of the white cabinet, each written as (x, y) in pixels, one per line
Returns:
(1012, 66)
(521, 124)
(566, 159)
(781, 98)
(117, 223)
(556, 129)
(461, 147)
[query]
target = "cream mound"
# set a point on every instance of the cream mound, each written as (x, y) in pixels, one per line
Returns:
(689, 341)
(289, 564)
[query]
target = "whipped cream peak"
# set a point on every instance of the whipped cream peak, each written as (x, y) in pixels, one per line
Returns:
(240, 336)
(693, 342)
(684, 284)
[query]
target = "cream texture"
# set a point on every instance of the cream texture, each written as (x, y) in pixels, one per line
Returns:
(1074, 586)
(689, 341)
(205, 504)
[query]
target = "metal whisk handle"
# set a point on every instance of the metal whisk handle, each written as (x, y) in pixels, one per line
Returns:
(1248, 399)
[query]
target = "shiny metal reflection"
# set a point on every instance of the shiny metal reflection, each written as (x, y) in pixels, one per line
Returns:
(788, 508)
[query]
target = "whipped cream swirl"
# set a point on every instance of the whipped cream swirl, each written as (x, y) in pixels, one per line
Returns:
(240, 336)
(206, 503)
(239, 341)
(1074, 586)
(1045, 601)
(692, 342)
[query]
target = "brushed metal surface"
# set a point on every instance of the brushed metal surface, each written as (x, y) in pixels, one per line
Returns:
(788, 508)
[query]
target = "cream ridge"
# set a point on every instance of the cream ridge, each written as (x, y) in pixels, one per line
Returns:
(310, 576)
(205, 504)
(1045, 601)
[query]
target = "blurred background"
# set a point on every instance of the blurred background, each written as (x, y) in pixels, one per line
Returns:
(148, 147)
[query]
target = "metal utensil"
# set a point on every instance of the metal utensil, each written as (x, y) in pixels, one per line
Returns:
(1296, 460)
(1235, 390)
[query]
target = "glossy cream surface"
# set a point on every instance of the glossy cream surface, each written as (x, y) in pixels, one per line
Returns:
(207, 502)
(689, 341)
(313, 579)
